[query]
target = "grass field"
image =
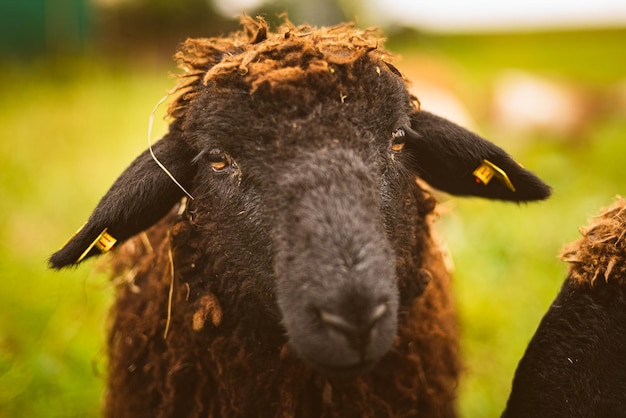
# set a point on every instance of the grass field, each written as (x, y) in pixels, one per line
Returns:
(68, 128)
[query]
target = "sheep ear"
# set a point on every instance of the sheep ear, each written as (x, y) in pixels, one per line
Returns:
(457, 161)
(141, 196)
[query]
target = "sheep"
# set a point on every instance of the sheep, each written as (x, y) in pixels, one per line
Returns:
(290, 269)
(574, 363)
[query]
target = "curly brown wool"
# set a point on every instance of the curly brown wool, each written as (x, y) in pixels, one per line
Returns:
(150, 375)
(601, 251)
(291, 56)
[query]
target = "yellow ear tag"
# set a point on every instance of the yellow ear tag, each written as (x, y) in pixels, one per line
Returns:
(487, 170)
(104, 242)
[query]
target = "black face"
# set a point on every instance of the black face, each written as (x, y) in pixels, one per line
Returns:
(306, 197)
(310, 199)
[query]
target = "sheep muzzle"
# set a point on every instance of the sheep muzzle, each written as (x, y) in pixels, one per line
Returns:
(335, 268)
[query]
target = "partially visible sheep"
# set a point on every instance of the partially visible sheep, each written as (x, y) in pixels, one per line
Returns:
(301, 280)
(575, 364)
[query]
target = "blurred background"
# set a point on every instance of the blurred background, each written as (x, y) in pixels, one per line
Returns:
(79, 78)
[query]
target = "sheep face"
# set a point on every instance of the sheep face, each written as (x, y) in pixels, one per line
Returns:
(302, 171)
(316, 189)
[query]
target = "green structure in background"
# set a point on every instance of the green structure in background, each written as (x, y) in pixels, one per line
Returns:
(42, 27)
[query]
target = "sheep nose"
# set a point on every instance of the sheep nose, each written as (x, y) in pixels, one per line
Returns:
(358, 330)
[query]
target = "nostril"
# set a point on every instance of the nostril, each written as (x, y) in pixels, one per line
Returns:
(352, 335)
(358, 329)
(377, 313)
(337, 322)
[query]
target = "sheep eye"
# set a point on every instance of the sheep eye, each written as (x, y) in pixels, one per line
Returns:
(219, 160)
(397, 140)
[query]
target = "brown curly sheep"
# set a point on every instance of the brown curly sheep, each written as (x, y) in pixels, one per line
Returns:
(574, 365)
(301, 280)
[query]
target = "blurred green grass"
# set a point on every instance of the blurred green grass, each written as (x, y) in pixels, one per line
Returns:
(589, 56)
(69, 127)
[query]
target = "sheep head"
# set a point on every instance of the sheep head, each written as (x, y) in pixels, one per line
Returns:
(301, 149)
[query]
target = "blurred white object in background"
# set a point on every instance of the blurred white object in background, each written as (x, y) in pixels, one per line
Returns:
(525, 103)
